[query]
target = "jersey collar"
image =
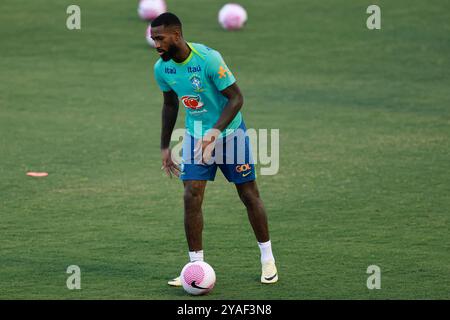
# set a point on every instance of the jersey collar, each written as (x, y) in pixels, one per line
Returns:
(187, 59)
(193, 50)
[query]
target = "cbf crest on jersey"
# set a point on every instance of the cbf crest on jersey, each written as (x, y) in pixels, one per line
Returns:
(196, 83)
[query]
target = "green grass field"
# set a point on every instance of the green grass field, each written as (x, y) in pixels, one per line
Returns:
(364, 152)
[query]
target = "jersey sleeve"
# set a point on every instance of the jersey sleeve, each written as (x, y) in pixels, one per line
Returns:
(160, 80)
(218, 71)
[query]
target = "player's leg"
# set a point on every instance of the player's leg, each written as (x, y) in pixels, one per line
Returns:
(249, 195)
(240, 169)
(194, 178)
(194, 191)
(243, 175)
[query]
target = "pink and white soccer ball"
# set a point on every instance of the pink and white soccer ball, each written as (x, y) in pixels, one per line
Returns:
(148, 36)
(150, 9)
(198, 278)
(232, 16)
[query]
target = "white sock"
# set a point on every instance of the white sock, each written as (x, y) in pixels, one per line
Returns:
(196, 255)
(266, 251)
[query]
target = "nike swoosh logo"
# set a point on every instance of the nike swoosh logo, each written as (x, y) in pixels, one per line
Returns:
(246, 174)
(271, 278)
(172, 83)
(193, 285)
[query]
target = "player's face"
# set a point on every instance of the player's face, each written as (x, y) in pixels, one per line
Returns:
(165, 41)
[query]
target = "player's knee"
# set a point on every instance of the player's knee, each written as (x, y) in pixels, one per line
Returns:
(193, 193)
(249, 198)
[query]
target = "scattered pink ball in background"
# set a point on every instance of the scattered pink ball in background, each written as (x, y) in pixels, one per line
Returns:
(148, 36)
(232, 16)
(150, 9)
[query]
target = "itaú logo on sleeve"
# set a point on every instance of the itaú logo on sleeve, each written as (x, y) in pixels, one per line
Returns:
(192, 102)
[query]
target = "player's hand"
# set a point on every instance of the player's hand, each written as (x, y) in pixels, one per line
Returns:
(168, 165)
(207, 144)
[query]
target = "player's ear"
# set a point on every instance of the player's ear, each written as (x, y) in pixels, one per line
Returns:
(178, 35)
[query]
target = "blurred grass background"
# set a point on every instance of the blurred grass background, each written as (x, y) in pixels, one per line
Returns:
(364, 152)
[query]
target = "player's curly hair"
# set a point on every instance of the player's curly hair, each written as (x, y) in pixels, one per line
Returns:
(166, 19)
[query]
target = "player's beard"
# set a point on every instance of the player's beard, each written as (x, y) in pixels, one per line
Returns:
(169, 54)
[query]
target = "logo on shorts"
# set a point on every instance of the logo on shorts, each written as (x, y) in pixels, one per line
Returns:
(192, 102)
(243, 168)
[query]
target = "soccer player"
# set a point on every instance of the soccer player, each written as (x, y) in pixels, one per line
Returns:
(198, 77)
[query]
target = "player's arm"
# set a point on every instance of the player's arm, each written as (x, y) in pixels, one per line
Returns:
(225, 82)
(169, 118)
(234, 104)
(231, 109)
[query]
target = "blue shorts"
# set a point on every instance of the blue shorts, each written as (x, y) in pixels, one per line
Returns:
(232, 154)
